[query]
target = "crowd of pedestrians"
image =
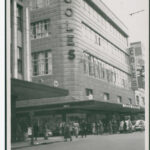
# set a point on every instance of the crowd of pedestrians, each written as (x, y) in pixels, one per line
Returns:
(84, 128)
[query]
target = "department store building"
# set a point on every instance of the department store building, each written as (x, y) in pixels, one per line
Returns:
(82, 46)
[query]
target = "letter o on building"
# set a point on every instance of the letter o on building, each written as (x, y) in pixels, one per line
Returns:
(67, 1)
(68, 12)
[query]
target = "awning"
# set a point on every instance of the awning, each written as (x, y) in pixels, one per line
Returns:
(87, 105)
(25, 90)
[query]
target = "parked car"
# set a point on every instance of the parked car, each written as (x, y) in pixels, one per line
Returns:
(139, 125)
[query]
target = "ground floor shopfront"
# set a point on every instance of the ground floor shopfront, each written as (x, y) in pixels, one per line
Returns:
(90, 111)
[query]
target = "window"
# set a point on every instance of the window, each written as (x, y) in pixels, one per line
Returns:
(106, 96)
(130, 101)
(89, 93)
(19, 18)
(19, 60)
(137, 100)
(119, 99)
(42, 63)
(95, 67)
(143, 100)
(91, 65)
(36, 4)
(40, 29)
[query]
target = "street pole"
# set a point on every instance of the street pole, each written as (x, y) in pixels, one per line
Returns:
(31, 120)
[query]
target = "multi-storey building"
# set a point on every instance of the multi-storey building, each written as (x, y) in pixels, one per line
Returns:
(79, 45)
(20, 68)
(20, 41)
(138, 58)
(138, 75)
(19, 51)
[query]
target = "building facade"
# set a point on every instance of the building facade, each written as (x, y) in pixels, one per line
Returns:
(19, 52)
(79, 45)
(20, 41)
(138, 60)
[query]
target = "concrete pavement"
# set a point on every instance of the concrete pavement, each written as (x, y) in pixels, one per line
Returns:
(129, 141)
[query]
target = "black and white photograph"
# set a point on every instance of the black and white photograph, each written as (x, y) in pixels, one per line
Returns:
(77, 74)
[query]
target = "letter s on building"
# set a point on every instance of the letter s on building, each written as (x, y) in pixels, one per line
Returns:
(71, 54)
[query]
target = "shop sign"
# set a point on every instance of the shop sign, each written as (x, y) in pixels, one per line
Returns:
(70, 37)
(131, 106)
(133, 69)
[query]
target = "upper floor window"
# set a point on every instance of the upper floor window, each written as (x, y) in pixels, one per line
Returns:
(19, 18)
(19, 59)
(36, 4)
(143, 100)
(40, 29)
(119, 99)
(89, 93)
(42, 63)
(130, 101)
(137, 100)
(106, 96)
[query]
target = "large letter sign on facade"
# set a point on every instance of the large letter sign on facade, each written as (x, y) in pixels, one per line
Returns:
(70, 38)
(134, 82)
(68, 29)
(71, 54)
(69, 12)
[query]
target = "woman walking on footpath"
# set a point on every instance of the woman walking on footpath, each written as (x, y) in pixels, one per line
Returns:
(76, 129)
(67, 132)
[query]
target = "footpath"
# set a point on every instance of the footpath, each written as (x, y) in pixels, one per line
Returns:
(39, 141)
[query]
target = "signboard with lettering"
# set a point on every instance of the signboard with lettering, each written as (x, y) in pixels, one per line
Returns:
(69, 29)
(130, 106)
(134, 82)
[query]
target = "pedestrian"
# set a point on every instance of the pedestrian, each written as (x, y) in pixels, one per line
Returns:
(114, 125)
(97, 127)
(35, 130)
(83, 129)
(125, 127)
(121, 127)
(67, 131)
(76, 129)
(101, 128)
(93, 128)
(110, 127)
(45, 131)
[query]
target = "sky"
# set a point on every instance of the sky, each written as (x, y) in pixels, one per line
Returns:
(137, 24)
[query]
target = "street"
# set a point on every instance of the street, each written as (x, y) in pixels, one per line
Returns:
(130, 141)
